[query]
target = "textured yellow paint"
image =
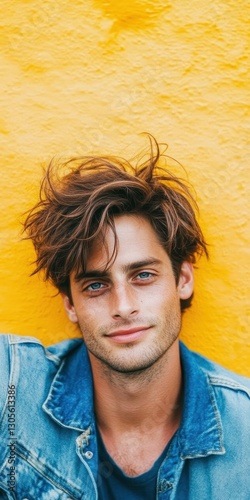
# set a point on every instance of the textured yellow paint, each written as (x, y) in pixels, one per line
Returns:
(88, 77)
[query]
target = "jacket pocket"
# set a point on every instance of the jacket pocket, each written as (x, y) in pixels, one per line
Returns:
(29, 478)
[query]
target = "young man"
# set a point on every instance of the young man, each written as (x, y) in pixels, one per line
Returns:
(129, 412)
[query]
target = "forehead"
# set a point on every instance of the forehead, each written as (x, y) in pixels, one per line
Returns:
(136, 240)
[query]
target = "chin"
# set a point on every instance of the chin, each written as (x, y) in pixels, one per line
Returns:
(130, 366)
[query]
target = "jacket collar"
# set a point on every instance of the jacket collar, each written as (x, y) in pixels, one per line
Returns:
(200, 432)
(70, 399)
(70, 402)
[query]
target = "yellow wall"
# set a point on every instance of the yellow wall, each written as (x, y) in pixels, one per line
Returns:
(87, 77)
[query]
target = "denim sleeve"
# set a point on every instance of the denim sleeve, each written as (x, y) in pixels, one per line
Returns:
(4, 372)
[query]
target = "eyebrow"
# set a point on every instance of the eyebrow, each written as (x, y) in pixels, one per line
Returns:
(97, 273)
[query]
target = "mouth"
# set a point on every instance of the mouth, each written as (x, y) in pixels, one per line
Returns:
(128, 335)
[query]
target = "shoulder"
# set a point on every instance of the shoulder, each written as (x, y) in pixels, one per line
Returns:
(222, 377)
(9, 342)
(222, 398)
(22, 355)
(217, 375)
(229, 392)
(229, 395)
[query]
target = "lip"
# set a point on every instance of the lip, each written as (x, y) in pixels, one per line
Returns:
(128, 335)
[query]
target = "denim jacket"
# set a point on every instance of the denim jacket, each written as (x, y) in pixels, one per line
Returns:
(48, 447)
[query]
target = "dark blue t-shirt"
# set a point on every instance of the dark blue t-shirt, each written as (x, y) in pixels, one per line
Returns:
(113, 484)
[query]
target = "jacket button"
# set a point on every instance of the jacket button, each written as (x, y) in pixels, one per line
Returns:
(164, 486)
(88, 455)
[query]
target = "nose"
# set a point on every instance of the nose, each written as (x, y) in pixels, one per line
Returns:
(123, 302)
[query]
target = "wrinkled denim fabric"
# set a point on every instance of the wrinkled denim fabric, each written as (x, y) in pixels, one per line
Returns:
(54, 448)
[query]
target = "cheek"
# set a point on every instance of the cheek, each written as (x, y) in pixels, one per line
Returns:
(82, 305)
(89, 314)
(162, 296)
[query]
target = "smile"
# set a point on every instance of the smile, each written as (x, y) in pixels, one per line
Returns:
(129, 335)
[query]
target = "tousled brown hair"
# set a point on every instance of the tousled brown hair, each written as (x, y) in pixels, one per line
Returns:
(77, 207)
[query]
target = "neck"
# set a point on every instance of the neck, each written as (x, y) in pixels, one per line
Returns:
(141, 400)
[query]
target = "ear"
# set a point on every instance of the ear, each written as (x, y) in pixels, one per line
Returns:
(186, 281)
(69, 308)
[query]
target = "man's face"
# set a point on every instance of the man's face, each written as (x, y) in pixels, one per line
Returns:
(130, 314)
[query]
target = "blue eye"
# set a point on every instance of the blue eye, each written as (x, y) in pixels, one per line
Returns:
(94, 286)
(144, 275)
